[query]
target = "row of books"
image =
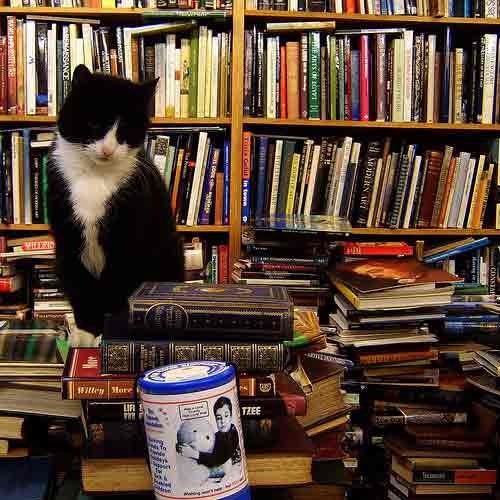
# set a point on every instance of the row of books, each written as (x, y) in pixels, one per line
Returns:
(372, 183)
(205, 262)
(201, 6)
(442, 8)
(38, 58)
(195, 166)
(382, 74)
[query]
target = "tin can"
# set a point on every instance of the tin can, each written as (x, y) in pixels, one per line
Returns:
(193, 429)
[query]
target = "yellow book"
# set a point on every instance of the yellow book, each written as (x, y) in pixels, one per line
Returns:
(292, 186)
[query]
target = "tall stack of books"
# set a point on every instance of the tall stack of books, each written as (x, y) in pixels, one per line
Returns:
(384, 74)
(105, 377)
(192, 63)
(381, 182)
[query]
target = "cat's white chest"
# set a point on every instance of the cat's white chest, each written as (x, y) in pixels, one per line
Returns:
(90, 189)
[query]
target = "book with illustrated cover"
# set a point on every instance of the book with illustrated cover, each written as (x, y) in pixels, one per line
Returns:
(381, 275)
(257, 312)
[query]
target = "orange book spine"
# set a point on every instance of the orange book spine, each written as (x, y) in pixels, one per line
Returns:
(283, 82)
(113, 57)
(292, 89)
(395, 357)
(135, 58)
(177, 180)
(20, 67)
(99, 389)
(350, 6)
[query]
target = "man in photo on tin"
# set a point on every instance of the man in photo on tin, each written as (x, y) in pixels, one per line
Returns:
(227, 442)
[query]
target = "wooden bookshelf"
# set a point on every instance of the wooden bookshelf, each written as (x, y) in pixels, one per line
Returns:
(444, 127)
(235, 124)
(369, 19)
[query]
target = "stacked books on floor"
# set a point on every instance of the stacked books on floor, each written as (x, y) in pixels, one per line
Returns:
(277, 261)
(192, 63)
(105, 378)
(383, 74)
(32, 415)
(379, 182)
(194, 163)
(386, 7)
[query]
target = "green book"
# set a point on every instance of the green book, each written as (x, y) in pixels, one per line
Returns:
(333, 78)
(193, 75)
(314, 57)
(45, 158)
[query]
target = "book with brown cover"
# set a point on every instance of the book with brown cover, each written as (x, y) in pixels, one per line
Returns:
(456, 437)
(430, 189)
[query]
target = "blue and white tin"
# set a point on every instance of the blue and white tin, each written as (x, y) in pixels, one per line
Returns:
(193, 429)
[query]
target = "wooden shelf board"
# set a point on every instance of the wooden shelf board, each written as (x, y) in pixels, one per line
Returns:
(273, 15)
(452, 127)
(183, 229)
(8, 119)
(423, 232)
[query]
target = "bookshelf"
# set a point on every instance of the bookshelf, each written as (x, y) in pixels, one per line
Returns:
(238, 123)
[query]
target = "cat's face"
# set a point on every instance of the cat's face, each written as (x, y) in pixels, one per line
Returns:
(105, 117)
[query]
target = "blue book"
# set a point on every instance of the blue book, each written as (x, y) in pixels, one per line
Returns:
(467, 8)
(227, 185)
(445, 86)
(355, 84)
(383, 7)
(262, 143)
(482, 242)
(27, 478)
(207, 194)
(469, 319)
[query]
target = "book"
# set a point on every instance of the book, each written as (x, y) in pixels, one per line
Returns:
(135, 356)
(365, 249)
(394, 415)
(173, 306)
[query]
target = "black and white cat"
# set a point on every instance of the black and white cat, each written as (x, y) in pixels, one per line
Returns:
(108, 207)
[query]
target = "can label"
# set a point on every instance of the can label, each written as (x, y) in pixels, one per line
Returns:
(195, 443)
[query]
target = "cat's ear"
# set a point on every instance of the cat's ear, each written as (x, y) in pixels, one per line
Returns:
(81, 76)
(148, 89)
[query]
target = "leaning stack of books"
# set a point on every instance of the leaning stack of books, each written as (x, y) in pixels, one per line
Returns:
(106, 377)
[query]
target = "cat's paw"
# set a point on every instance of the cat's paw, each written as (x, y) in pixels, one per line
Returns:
(82, 338)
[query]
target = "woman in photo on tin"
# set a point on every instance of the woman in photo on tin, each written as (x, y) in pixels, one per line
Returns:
(226, 450)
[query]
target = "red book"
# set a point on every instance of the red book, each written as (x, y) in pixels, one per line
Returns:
(303, 70)
(364, 76)
(82, 377)
(283, 82)
(29, 246)
(350, 6)
(383, 248)
(11, 284)
(223, 264)
(11, 65)
(3, 74)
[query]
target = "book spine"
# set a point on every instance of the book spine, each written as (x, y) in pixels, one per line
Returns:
(364, 76)
(136, 356)
(226, 182)
(223, 264)
(314, 75)
(81, 389)
(271, 407)
(430, 419)
(208, 195)
(245, 175)
(381, 76)
(373, 359)
(3, 75)
(11, 65)
(460, 476)
(120, 411)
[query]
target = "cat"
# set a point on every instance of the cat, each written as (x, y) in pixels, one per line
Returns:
(108, 207)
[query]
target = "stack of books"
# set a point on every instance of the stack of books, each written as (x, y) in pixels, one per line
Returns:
(105, 378)
(377, 182)
(191, 63)
(384, 74)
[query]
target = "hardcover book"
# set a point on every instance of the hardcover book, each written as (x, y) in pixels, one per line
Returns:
(257, 312)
